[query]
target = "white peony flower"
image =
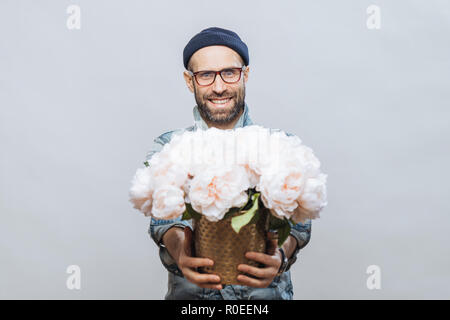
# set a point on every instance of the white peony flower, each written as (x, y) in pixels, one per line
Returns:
(165, 172)
(283, 182)
(168, 202)
(280, 190)
(217, 189)
(312, 200)
(142, 190)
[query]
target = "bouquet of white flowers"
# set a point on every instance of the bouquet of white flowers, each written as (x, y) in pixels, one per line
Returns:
(214, 173)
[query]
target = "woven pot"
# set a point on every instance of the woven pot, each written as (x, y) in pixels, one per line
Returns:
(219, 242)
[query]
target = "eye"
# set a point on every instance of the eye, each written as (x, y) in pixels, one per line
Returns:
(229, 72)
(205, 75)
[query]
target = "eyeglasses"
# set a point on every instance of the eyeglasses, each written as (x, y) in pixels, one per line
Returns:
(207, 78)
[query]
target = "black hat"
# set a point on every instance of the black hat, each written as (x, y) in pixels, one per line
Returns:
(212, 37)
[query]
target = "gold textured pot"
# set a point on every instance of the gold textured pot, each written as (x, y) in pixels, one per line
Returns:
(219, 242)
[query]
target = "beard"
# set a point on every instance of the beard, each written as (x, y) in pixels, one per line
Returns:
(225, 115)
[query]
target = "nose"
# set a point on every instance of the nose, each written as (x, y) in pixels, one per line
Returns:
(219, 86)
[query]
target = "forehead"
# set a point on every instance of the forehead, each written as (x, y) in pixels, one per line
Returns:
(215, 58)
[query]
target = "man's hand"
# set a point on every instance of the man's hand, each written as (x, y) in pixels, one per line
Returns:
(272, 262)
(188, 264)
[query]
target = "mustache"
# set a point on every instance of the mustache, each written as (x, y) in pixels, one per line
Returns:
(219, 96)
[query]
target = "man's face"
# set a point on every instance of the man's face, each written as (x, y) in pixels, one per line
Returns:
(220, 102)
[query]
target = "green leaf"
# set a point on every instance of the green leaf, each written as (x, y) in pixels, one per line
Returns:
(282, 227)
(190, 213)
(231, 212)
(255, 218)
(276, 223)
(146, 164)
(249, 203)
(245, 207)
(186, 216)
(238, 222)
(283, 233)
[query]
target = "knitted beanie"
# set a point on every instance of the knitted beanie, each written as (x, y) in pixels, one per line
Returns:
(215, 36)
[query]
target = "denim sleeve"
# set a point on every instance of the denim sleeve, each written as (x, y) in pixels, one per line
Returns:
(157, 230)
(302, 233)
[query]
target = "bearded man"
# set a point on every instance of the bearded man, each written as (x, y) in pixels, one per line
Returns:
(217, 70)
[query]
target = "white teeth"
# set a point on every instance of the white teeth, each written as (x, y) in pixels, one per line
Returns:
(220, 101)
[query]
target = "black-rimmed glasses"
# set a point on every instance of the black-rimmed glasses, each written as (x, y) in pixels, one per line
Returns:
(207, 78)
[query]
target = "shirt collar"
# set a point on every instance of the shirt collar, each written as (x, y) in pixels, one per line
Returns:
(244, 119)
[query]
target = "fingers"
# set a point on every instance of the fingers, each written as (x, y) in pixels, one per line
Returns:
(191, 262)
(210, 281)
(250, 282)
(264, 275)
(271, 260)
(188, 264)
(200, 278)
(267, 260)
(258, 272)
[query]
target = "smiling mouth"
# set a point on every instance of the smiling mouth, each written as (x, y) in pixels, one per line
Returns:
(220, 102)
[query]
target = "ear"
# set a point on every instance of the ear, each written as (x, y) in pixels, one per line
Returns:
(247, 70)
(189, 81)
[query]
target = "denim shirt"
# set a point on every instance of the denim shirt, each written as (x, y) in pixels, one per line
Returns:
(181, 289)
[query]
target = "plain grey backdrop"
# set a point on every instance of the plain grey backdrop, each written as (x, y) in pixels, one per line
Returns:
(80, 108)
